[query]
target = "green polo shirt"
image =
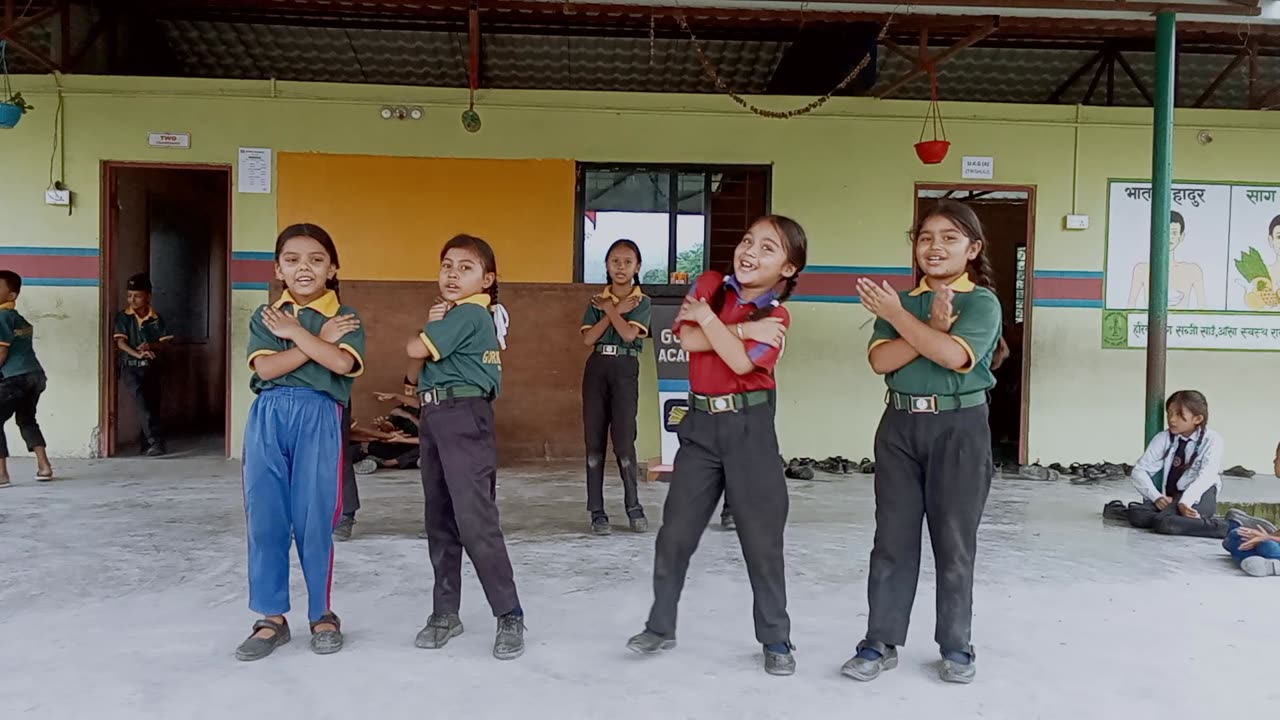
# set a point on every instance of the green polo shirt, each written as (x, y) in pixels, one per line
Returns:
(310, 374)
(17, 335)
(639, 317)
(138, 331)
(977, 328)
(464, 349)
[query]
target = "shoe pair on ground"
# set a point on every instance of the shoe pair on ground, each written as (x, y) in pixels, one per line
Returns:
(440, 629)
(600, 524)
(957, 666)
(326, 637)
(871, 660)
(508, 644)
(778, 659)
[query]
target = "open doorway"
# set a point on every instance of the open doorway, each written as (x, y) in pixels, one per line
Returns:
(1007, 213)
(173, 223)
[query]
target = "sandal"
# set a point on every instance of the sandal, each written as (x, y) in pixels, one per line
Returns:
(326, 642)
(44, 478)
(256, 648)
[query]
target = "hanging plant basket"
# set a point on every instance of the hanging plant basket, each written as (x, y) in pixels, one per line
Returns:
(932, 152)
(12, 106)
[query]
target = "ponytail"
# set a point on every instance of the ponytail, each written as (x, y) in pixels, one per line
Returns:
(501, 319)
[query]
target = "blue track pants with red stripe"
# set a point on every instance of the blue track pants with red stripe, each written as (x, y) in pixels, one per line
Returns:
(292, 487)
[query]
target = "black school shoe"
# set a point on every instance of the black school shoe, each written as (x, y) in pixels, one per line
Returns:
(508, 644)
(439, 631)
(327, 642)
(1116, 510)
(256, 648)
(727, 522)
(600, 525)
(780, 660)
(650, 643)
(342, 532)
(639, 524)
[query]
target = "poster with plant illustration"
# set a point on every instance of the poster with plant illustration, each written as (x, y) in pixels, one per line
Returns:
(1255, 249)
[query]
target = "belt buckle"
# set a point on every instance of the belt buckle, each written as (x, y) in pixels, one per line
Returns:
(924, 404)
(722, 404)
(431, 397)
(609, 350)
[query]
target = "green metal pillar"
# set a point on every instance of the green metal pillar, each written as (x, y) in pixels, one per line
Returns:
(1161, 197)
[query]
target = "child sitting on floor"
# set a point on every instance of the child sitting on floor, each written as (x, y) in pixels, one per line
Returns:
(1189, 459)
(1254, 543)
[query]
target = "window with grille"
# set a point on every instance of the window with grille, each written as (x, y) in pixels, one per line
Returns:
(685, 219)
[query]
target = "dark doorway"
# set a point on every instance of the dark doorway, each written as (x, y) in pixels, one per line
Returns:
(172, 222)
(1008, 218)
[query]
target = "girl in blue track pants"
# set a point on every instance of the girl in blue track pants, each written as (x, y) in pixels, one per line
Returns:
(304, 351)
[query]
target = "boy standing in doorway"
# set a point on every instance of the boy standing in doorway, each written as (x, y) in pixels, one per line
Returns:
(139, 332)
(22, 379)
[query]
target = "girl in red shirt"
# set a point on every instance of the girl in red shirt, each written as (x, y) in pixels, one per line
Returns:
(733, 327)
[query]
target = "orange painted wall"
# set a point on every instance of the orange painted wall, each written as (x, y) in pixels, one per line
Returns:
(390, 215)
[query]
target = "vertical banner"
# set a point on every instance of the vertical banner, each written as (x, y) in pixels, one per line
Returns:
(673, 378)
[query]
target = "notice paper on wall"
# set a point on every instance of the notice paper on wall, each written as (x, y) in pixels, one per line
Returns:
(254, 172)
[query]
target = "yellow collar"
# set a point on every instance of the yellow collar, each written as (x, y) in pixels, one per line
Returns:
(961, 284)
(9, 306)
(608, 293)
(327, 304)
(151, 312)
(481, 299)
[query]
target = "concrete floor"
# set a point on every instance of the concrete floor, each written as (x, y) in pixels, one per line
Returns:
(122, 595)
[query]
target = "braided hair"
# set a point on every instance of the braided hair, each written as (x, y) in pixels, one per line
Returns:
(795, 244)
(979, 268)
(484, 252)
(317, 233)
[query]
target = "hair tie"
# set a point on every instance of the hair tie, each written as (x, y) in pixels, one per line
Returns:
(501, 321)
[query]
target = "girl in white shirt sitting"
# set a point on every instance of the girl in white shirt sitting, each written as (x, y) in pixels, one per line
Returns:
(1189, 458)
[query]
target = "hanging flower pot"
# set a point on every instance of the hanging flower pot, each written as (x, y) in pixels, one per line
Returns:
(11, 111)
(12, 106)
(932, 152)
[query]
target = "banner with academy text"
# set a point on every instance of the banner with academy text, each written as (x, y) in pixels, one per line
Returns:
(673, 379)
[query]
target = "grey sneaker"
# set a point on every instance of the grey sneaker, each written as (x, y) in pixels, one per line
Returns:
(342, 532)
(1249, 521)
(367, 466)
(650, 643)
(600, 525)
(956, 672)
(1259, 566)
(439, 631)
(326, 642)
(780, 663)
(865, 668)
(509, 642)
(256, 648)
(639, 524)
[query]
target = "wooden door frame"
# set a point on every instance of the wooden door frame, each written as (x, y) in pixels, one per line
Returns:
(1028, 280)
(107, 392)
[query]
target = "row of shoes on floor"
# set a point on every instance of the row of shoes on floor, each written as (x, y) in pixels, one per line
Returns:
(803, 468)
(1091, 473)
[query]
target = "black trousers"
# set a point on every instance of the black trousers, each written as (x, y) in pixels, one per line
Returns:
(144, 384)
(610, 393)
(19, 396)
(936, 468)
(350, 491)
(459, 468)
(1144, 515)
(735, 454)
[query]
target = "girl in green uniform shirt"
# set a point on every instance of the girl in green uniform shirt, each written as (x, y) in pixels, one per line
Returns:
(936, 345)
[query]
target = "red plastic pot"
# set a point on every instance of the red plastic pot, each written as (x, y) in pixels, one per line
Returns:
(932, 152)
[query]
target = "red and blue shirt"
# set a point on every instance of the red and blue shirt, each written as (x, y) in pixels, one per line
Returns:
(708, 373)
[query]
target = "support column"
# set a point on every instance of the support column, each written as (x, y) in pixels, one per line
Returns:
(1161, 198)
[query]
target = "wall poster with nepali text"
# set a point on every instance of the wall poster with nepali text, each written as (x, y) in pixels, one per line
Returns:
(1224, 266)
